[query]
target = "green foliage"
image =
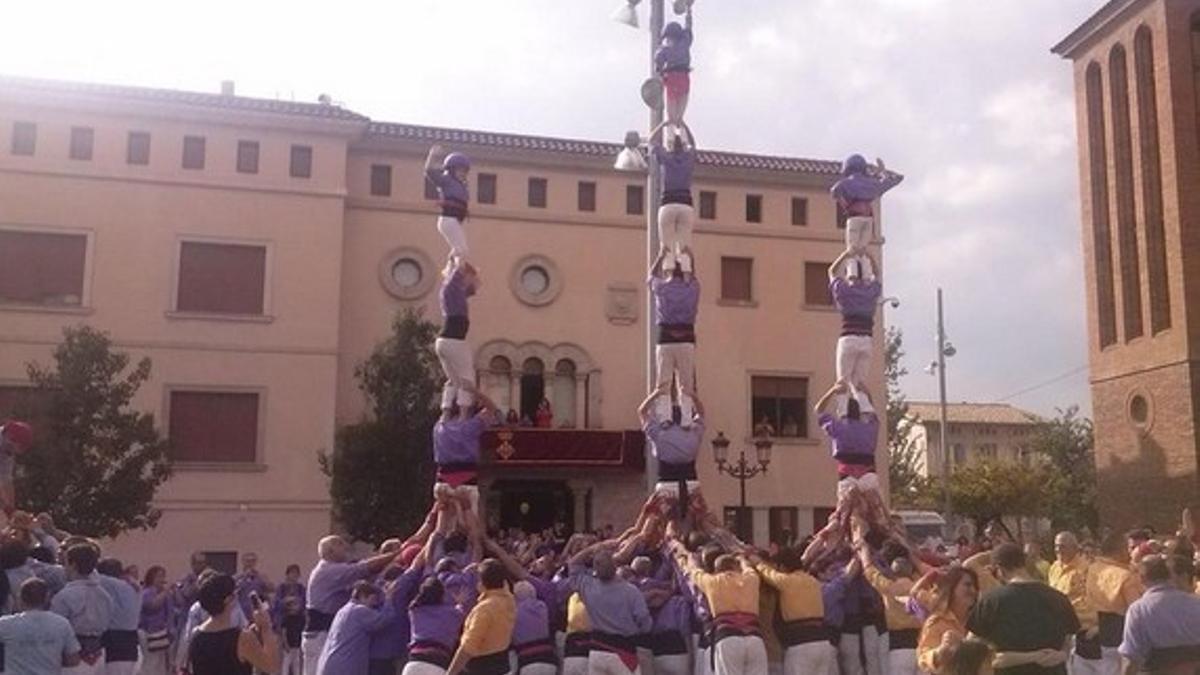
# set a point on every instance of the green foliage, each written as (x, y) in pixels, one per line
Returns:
(1066, 447)
(95, 463)
(991, 490)
(904, 475)
(382, 468)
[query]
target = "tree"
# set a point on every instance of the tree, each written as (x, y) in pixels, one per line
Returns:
(382, 467)
(992, 490)
(1066, 446)
(904, 475)
(95, 464)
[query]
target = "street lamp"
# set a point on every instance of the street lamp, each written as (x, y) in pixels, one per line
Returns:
(630, 158)
(742, 470)
(938, 366)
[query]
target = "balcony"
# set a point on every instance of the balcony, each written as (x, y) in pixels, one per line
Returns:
(564, 449)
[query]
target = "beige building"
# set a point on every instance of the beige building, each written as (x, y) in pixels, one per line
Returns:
(975, 432)
(257, 250)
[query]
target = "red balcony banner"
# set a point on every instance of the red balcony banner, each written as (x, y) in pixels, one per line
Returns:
(565, 448)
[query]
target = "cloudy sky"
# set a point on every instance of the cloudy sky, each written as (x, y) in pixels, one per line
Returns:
(963, 96)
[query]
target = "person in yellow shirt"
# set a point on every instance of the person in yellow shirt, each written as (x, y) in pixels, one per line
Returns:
(579, 628)
(895, 588)
(946, 627)
(804, 635)
(1039, 566)
(732, 593)
(487, 633)
(1112, 586)
(1069, 575)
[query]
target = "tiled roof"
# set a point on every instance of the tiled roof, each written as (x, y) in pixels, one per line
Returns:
(972, 413)
(187, 98)
(569, 146)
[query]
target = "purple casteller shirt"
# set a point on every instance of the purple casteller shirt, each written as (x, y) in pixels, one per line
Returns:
(440, 624)
(677, 301)
(454, 294)
(391, 640)
(853, 441)
(456, 441)
(347, 650)
(858, 299)
(248, 583)
(329, 584)
(856, 191)
(533, 622)
(449, 187)
(155, 620)
(677, 56)
(1163, 618)
(677, 168)
(674, 444)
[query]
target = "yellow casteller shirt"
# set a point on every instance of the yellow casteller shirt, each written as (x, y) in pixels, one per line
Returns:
(489, 626)
(1072, 581)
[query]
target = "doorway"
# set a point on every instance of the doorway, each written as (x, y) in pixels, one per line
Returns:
(535, 505)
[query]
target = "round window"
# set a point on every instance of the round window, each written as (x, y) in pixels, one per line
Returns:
(535, 280)
(407, 273)
(1139, 410)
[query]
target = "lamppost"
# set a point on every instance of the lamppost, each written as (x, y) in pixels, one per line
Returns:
(938, 367)
(742, 470)
(631, 160)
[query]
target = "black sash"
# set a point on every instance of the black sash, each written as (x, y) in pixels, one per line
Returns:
(676, 333)
(120, 645)
(903, 639)
(489, 664)
(803, 631)
(1112, 629)
(853, 324)
(577, 644)
(455, 328)
(667, 643)
(1087, 648)
(677, 197)
(537, 651)
(428, 651)
(317, 621)
(452, 208)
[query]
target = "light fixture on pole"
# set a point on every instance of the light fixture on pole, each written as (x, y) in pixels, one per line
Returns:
(630, 158)
(627, 13)
(937, 367)
(742, 470)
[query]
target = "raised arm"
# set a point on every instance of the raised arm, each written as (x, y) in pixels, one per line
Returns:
(688, 131)
(644, 409)
(656, 266)
(698, 404)
(837, 263)
(515, 570)
(433, 161)
(489, 406)
(837, 388)
(875, 266)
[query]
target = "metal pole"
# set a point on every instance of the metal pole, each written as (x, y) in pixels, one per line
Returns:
(653, 199)
(742, 471)
(941, 361)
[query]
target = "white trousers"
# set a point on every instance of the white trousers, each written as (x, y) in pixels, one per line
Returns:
(849, 654)
(311, 645)
(678, 359)
(120, 668)
(606, 663)
(572, 665)
(459, 366)
(868, 481)
(157, 663)
(1078, 665)
(675, 225)
(676, 664)
(813, 658)
(539, 669)
(853, 367)
(468, 492)
(85, 668)
(293, 662)
(701, 663)
(452, 231)
(860, 230)
(902, 662)
(421, 668)
(741, 655)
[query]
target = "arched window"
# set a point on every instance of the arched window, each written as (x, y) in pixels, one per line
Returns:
(1106, 313)
(499, 383)
(1152, 197)
(564, 394)
(533, 387)
(1127, 243)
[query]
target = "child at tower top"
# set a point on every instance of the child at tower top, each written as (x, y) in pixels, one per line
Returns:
(673, 62)
(856, 193)
(453, 196)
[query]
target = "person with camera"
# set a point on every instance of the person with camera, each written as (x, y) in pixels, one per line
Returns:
(219, 646)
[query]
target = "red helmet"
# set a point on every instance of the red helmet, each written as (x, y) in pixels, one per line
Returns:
(19, 434)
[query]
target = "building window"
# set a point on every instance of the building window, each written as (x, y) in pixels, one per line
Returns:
(24, 138)
(137, 148)
(193, 152)
(1151, 165)
(708, 205)
(82, 139)
(300, 163)
(536, 281)
(222, 278)
(194, 436)
(1129, 264)
(537, 193)
(407, 273)
(635, 200)
(753, 208)
(381, 180)
(587, 196)
(486, 188)
(737, 279)
(987, 451)
(564, 394)
(42, 268)
(960, 454)
(533, 388)
(816, 285)
(782, 525)
(1106, 312)
(247, 157)
(799, 211)
(781, 402)
(498, 384)
(225, 562)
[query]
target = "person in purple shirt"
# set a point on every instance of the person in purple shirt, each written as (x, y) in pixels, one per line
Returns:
(251, 581)
(856, 298)
(453, 197)
(347, 650)
(531, 639)
(673, 61)
(329, 588)
(389, 644)
(856, 193)
(436, 625)
(1162, 628)
(675, 446)
(156, 622)
(456, 440)
(677, 302)
(459, 282)
(677, 215)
